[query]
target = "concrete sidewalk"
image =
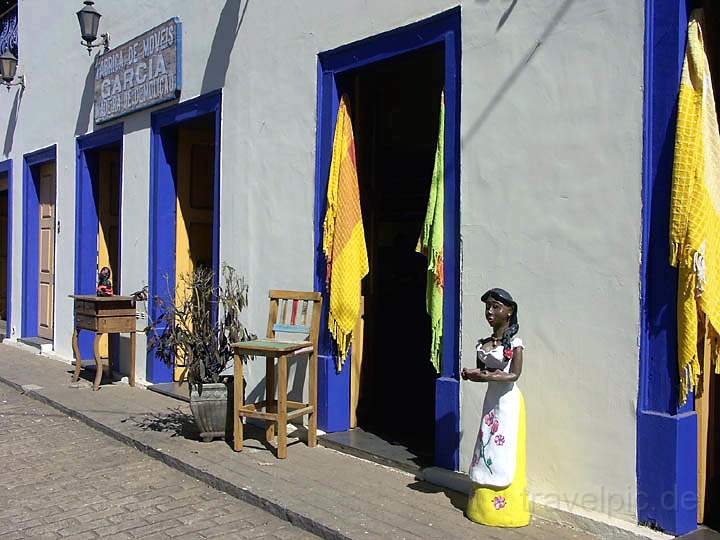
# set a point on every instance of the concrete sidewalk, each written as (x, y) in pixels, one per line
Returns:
(330, 494)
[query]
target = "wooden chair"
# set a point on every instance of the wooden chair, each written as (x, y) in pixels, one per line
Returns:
(289, 312)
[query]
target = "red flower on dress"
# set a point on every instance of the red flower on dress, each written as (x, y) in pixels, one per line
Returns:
(490, 418)
(499, 502)
(499, 440)
(495, 426)
(508, 353)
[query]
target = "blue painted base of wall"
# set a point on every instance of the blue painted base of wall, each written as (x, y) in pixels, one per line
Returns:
(447, 423)
(668, 477)
(333, 398)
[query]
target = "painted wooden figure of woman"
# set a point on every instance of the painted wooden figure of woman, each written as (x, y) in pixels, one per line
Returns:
(104, 286)
(499, 494)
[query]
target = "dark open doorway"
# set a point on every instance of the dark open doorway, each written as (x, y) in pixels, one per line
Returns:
(395, 108)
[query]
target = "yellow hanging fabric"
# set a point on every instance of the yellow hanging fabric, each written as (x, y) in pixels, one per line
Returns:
(431, 243)
(344, 236)
(695, 206)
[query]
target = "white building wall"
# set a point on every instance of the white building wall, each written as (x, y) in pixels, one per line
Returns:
(551, 186)
(551, 210)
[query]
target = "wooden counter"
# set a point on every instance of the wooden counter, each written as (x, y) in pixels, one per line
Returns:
(103, 315)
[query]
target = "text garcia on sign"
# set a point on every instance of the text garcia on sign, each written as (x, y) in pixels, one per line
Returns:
(140, 73)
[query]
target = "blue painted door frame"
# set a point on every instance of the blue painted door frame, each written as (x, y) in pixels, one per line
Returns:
(667, 451)
(163, 205)
(6, 168)
(86, 214)
(334, 387)
(31, 237)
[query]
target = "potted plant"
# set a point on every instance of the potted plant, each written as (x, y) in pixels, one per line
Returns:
(186, 328)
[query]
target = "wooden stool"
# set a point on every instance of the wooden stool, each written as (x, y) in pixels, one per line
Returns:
(288, 314)
(103, 315)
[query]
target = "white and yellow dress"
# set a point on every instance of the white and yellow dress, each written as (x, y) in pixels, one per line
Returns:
(499, 493)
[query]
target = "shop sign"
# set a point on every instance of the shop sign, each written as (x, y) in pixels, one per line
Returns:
(141, 73)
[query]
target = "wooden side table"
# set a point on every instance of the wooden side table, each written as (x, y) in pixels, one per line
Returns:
(276, 410)
(103, 315)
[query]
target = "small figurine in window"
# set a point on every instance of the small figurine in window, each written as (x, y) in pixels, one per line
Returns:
(104, 286)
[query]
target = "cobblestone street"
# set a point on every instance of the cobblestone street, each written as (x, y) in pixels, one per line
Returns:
(60, 478)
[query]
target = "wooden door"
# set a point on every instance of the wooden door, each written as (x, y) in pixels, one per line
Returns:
(109, 224)
(109, 215)
(3, 253)
(46, 289)
(194, 224)
(707, 403)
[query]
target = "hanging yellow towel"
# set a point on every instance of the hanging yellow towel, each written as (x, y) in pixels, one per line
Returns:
(695, 207)
(344, 236)
(431, 244)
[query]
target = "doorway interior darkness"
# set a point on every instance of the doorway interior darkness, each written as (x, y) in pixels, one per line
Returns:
(395, 107)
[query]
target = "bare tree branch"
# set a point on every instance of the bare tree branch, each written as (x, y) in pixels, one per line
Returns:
(185, 328)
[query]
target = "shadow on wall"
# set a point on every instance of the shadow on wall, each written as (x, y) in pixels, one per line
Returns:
(297, 371)
(517, 71)
(12, 122)
(506, 16)
(231, 18)
(86, 102)
(140, 122)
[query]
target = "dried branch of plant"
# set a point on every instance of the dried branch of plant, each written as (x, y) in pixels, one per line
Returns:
(186, 328)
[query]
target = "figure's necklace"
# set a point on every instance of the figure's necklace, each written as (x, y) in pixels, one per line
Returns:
(495, 339)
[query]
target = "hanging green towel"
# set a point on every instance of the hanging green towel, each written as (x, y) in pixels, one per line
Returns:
(431, 243)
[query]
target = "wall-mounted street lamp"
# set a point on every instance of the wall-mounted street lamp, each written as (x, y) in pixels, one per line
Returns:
(8, 68)
(89, 19)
